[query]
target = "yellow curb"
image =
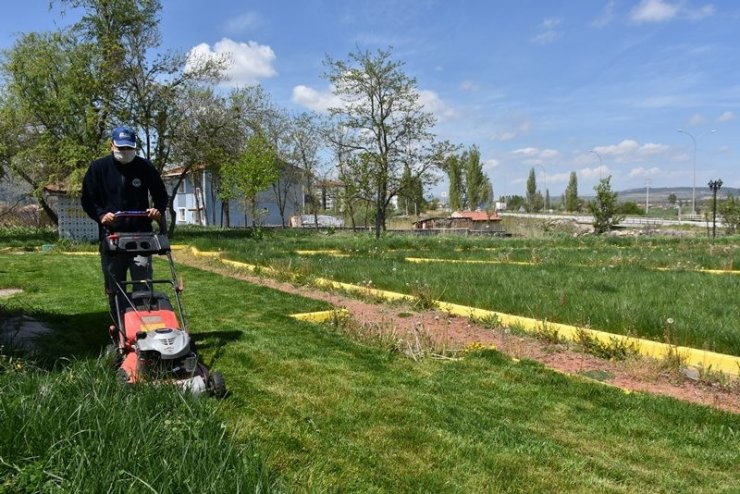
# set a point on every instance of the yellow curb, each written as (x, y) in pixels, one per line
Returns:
(327, 252)
(201, 253)
(713, 361)
(467, 261)
(322, 316)
(718, 362)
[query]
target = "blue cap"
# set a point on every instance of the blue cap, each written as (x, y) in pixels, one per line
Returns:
(124, 137)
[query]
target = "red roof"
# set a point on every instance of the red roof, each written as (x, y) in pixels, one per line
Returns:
(476, 215)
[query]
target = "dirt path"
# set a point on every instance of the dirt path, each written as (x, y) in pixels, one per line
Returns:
(456, 333)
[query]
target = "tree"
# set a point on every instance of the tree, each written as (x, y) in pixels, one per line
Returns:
(730, 211)
(453, 167)
(67, 89)
(254, 171)
(476, 182)
(604, 207)
(50, 111)
(571, 194)
(531, 203)
(387, 123)
(672, 199)
(304, 140)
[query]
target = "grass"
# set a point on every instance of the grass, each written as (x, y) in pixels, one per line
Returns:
(611, 284)
(323, 412)
(80, 430)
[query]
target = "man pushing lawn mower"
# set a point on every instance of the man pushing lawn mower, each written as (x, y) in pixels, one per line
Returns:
(149, 338)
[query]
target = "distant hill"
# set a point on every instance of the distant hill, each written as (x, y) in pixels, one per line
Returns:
(660, 194)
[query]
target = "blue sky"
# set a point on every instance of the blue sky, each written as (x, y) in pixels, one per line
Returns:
(599, 87)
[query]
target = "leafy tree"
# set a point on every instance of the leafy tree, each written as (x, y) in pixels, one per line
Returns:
(255, 170)
(304, 139)
(476, 182)
(672, 199)
(411, 193)
(66, 90)
(604, 207)
(454, 170)
(547, 199)
(532, 200)
(387, 123)
(50, 111)
(631, 207)
(515, 202)
(571, 194)
(729, 209)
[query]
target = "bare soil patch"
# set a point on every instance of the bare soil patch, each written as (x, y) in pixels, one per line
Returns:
(456, 333)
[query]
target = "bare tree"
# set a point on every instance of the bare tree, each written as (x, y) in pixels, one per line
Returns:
(386, 123)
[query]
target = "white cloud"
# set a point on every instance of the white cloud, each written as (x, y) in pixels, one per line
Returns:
(242, 23)
(598, 172)
(643, 172)
(248, 62)
(630, 150)
(434, 104)
(653, 11)
(726, 117)
(547, 31)
(648, 11)
(535, 156)
(316, 100)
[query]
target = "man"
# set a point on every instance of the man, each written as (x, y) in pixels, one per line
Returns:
(123, 181)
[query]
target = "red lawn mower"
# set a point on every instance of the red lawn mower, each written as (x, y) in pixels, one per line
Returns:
(150, 338)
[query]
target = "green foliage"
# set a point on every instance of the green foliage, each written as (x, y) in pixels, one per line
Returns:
(255, 170)
(631, 207)
(80, 430)
(572, 203)
(386, 123)
(604, 207)
(453, 167)
(730, 211)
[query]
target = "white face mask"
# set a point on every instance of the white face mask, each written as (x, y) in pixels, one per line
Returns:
(124, 156)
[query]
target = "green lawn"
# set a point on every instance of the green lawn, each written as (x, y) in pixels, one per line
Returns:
(319, 412)
(631, 286)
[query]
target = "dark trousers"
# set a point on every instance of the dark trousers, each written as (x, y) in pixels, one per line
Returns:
(115, 268)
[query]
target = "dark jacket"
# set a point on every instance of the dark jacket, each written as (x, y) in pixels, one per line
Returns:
(109, 187)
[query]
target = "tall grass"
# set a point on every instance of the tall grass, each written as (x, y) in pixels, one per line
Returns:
(610, 284)
(80, 430)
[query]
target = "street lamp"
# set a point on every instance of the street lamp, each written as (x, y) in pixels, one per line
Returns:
(715, 185)
(693, 180)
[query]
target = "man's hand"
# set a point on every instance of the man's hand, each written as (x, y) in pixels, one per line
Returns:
(107, 219)
(153, 214)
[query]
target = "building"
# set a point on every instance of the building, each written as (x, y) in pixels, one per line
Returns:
(463, 222)
(198, 202)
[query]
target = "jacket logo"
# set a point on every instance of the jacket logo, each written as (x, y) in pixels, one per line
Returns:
(136, 182)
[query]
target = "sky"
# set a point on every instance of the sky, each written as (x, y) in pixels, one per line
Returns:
(644, 91)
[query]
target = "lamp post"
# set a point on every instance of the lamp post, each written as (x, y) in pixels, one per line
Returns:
(693, 180)
(715, 185)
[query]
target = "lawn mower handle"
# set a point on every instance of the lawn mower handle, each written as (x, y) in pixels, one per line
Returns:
(142, 214)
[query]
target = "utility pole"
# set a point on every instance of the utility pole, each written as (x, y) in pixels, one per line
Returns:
(647, 196)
